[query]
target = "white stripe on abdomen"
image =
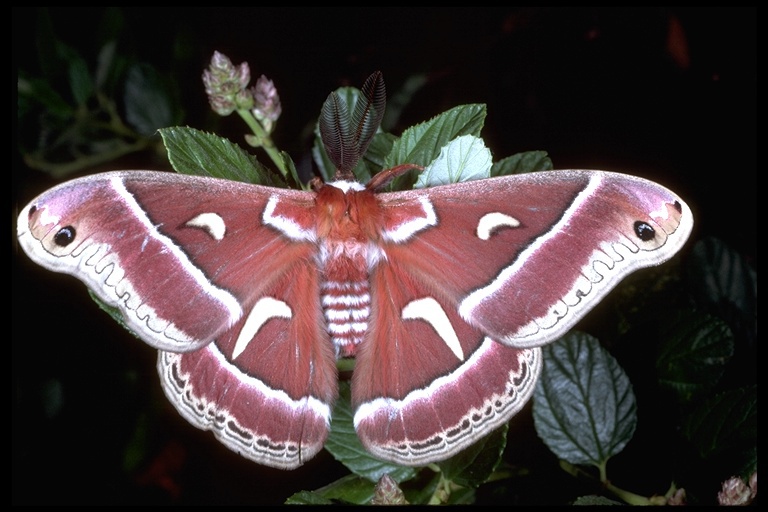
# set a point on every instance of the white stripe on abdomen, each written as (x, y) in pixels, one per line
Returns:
(346, 306)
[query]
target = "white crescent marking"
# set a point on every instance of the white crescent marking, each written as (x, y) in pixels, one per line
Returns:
(212, 223)
(493, 220)
(429, 310)
(467, 306)
(265, 309)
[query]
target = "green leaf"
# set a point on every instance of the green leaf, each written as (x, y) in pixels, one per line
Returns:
(292, 171)
(726, 284)
(422, 490)
(693, 354)
(350, 489)
(473, 466)
(80, 80)
(373, 160)
(40, 91)
(346, 447)
(729, 278)
(148, 101)
(308, 498)
(584, 408)
(465, 158)
(199, 153)
(521, 163)
(726, 423)
(422, 143)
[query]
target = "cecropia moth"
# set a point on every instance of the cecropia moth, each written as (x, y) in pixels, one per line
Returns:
(443, 295)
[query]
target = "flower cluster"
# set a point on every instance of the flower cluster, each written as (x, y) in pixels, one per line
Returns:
(226, 85)
(737, 492)
(228, 91)
(267, 108)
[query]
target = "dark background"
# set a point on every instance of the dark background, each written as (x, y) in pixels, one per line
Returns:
(664, 93)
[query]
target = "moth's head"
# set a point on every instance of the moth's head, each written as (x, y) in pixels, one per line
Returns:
(347, 211)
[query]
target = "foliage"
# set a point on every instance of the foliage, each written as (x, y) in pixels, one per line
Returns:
(585, 408)
(77, 111)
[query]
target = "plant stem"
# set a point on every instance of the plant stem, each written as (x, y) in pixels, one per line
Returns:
(264, 139)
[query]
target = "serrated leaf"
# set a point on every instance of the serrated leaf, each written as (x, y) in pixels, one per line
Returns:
(584, 407)
(148, 103)
(725, 283)
(350, 489)
(308, 498)
(693, 355)
(346, 447)
(422, 143)
(521, 163)
(199, 153)
(465, 158)
(725, 422)
(290, 166)
(728, 275)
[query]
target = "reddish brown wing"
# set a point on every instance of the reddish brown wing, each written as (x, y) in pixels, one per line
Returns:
(524, 257)
(474, 276)
(190, 260)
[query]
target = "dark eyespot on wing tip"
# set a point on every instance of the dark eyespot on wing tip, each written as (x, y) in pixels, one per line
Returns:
(644, 231)
(65, 236)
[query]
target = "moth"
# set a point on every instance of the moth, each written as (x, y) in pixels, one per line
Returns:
(442, 295)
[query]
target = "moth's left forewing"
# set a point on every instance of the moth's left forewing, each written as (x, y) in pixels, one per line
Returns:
(140, 238)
